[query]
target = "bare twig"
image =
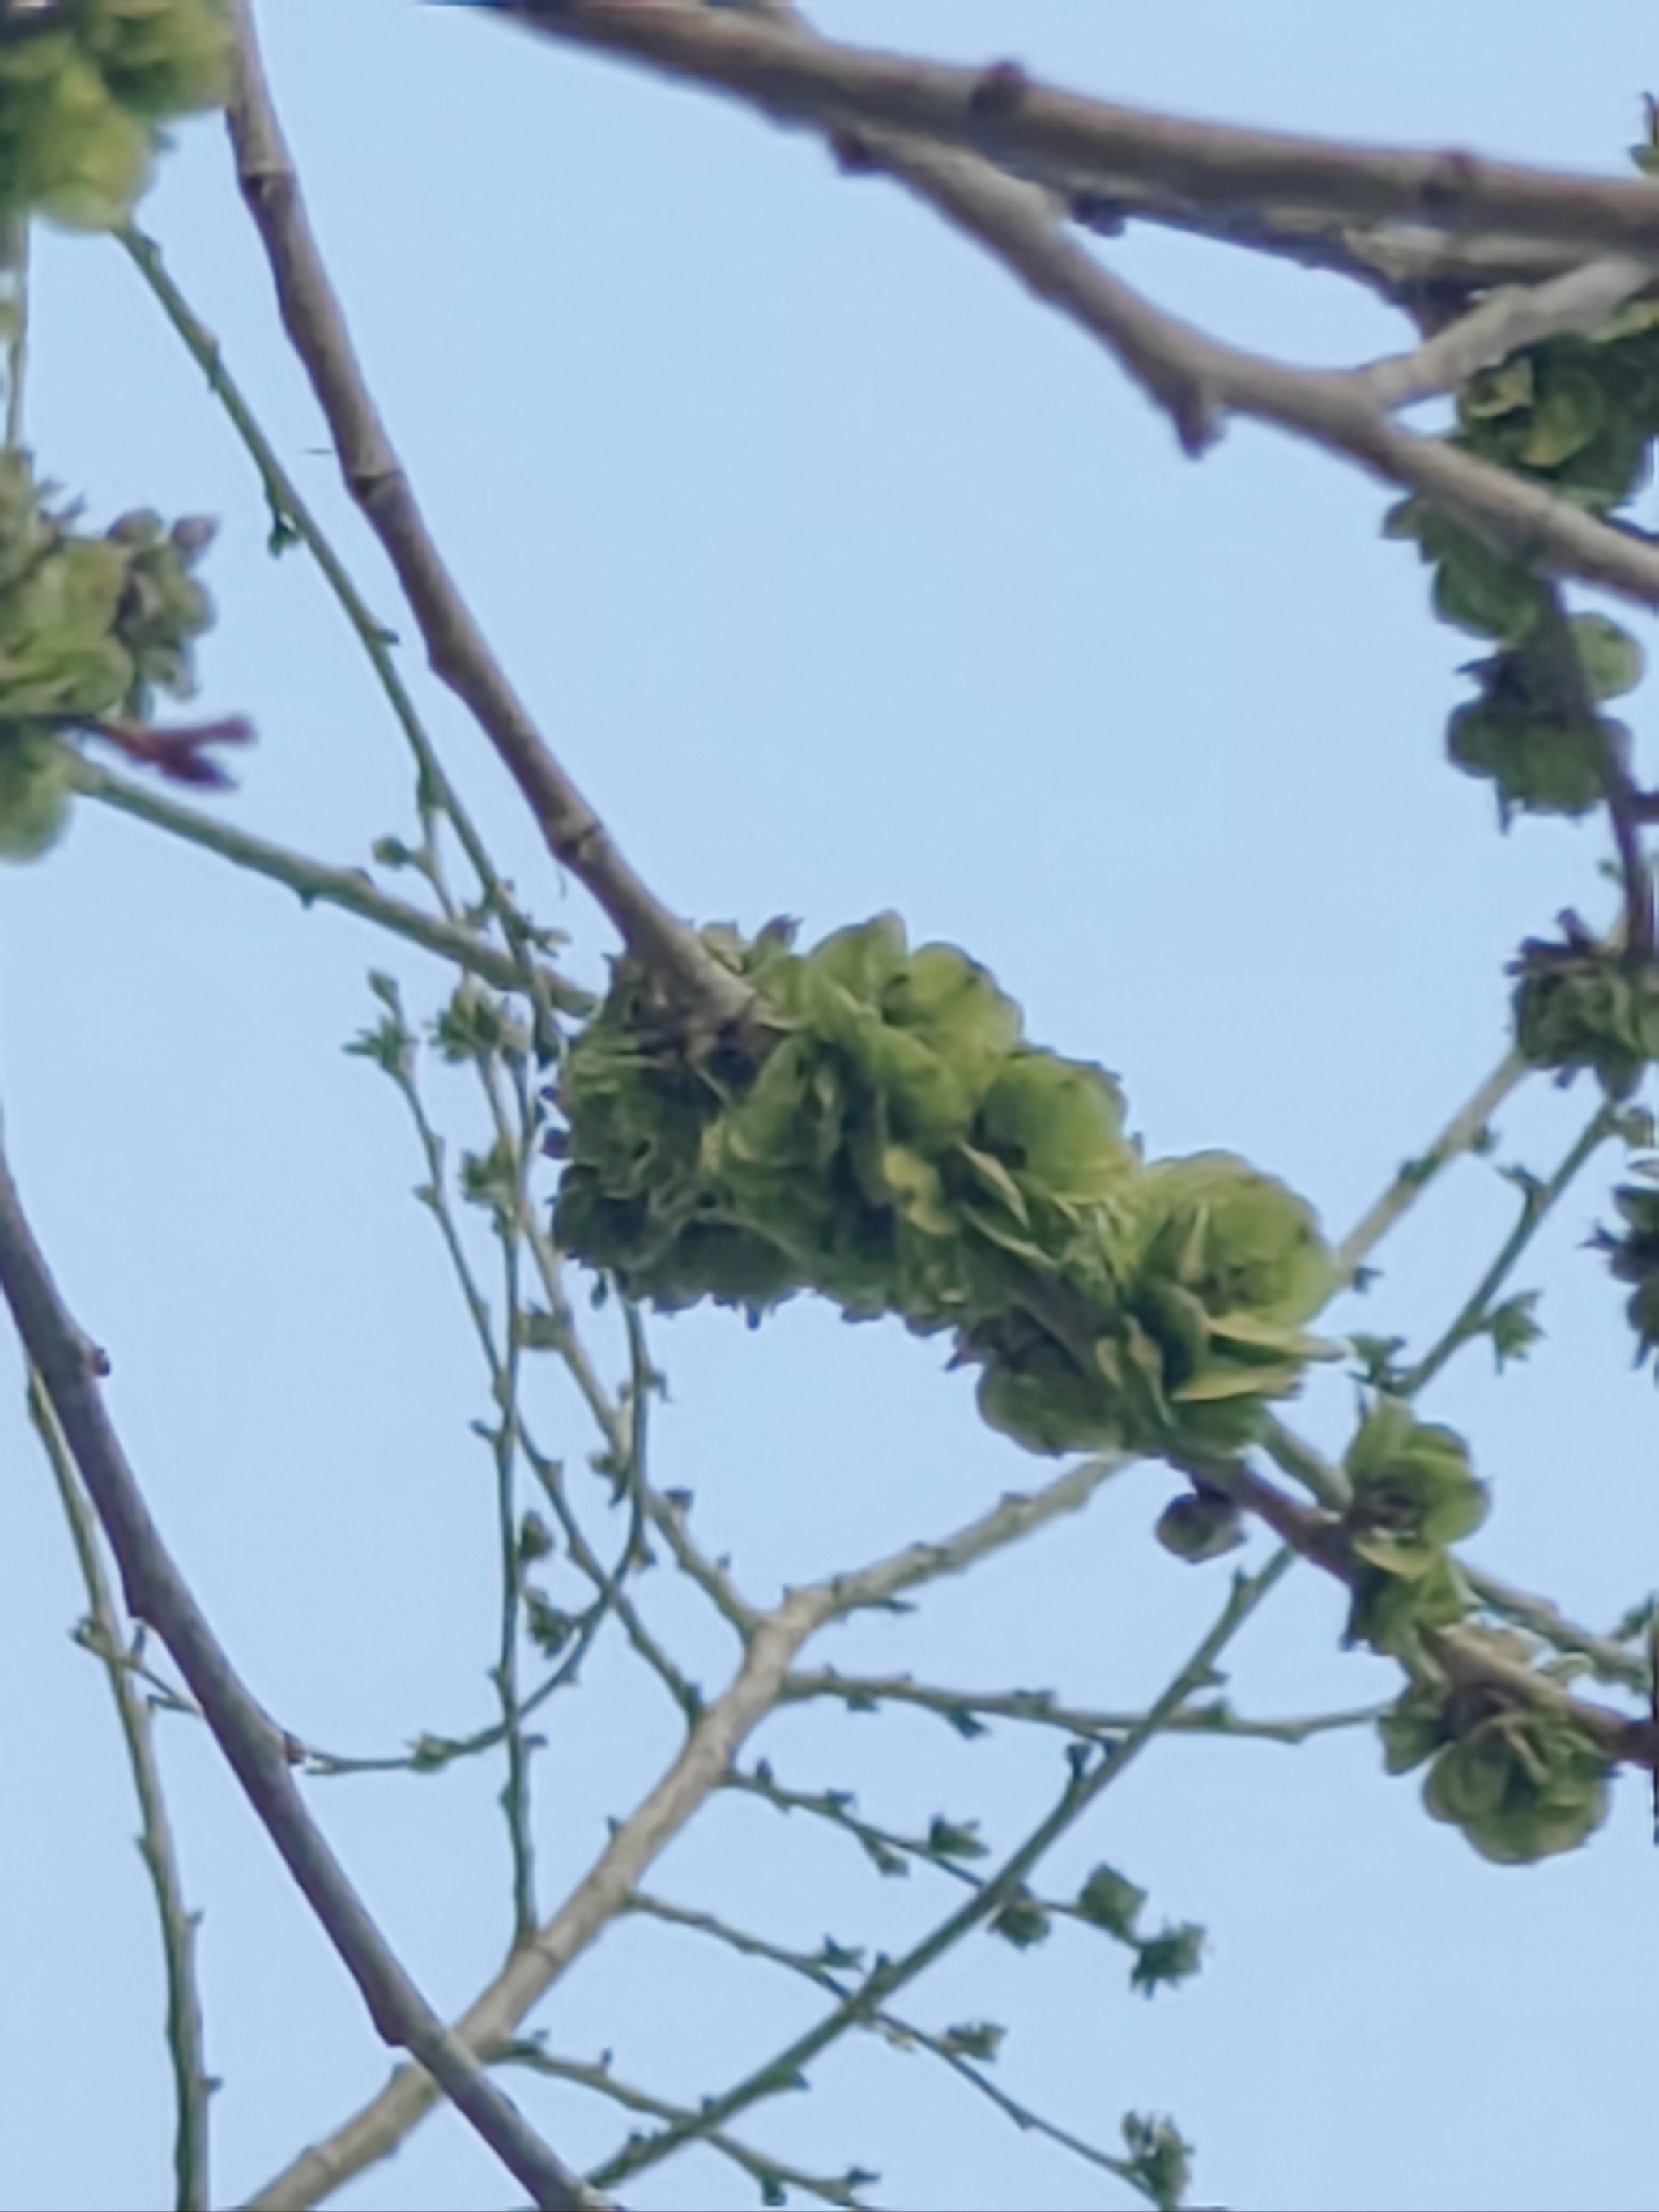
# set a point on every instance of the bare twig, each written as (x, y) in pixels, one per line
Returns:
(863, 1693)
(192, 2086)
(890, 1975)
(1504, 323)
(903, 2034)
(719, 1730)
(1462, 1133)
(257, 1751)
(771, 2173)
(1537, 1201)
(317, 884)
(292, 520)
(1609, 1660)
(312, 315)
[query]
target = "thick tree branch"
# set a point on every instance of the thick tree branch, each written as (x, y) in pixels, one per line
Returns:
(1196, 379)
(706, 991)
(1077, 143)
(157, 1594)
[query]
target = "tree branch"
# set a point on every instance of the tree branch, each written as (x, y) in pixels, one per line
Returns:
(314, 882)
(1076, 143)
(701, 1768)
(258, 1752)
(192, 2085)
(1194, 379)
(706, 991)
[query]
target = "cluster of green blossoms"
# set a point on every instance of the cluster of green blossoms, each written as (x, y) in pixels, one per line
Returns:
(1519, 1776)
(1522, 1780)
(85, 84)
(1413, 1495)
(881, 1133)
(91, 628)
(1576, 416)
(1633, 1254)
(1581, 1003)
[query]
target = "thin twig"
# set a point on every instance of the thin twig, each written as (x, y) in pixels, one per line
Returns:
(291, 519)
(1462, 1133)
(864, 1693)
(902, 2033)
(706, 991)
(770, 2173)
(316, 884)
(516, 1794)
(718, 1732)
(1502, 323)
(257, 1751)
(192, 2085)
(1537, 1200)
(889, 1976)
(1609, 1660)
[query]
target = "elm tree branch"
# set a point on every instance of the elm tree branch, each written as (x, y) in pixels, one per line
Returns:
(315, 883)
(292, 520)
(903, 2034)
(258, 1752)
(706, 991)
(1074, 144)
(889, 1976)
(1197, 381)
(1041, 1708)
(1193, 378)
(701, 1768)
(770, 2173)
(1609, 1659)
(185, 2034)
(1462, 1133)
(1537, 1200)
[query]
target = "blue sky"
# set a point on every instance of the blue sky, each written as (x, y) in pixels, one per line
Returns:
(842, 578)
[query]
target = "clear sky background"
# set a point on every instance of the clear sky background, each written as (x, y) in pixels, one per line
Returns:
(842, 578)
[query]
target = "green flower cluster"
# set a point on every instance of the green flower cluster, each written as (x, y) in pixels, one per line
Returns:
(1577, 415)
(881, 1133)
(91, 627)
(1414, 1494)
(1582, 1004)
(1633, 1254)
(84, 85)
(1523, 1781)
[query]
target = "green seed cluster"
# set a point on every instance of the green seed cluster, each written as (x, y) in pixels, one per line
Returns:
(1580, 1004)
(1523, 1781)
(1633, 1254)
(881, 1133)
(1414, 1495)
(84, 85)
(1577, 415)
(91, 628)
